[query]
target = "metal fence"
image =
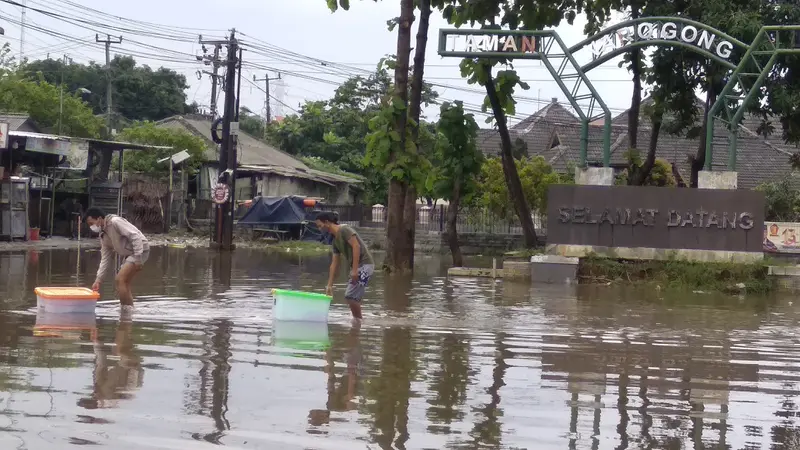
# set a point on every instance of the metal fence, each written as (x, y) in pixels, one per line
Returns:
(433, 219)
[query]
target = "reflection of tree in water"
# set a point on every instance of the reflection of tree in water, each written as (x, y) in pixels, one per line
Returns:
(215, 376)
(391, 389)
(449, 382)
(488, 432)
(786, 435)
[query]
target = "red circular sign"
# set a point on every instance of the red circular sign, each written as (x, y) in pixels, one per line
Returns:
(220, 193)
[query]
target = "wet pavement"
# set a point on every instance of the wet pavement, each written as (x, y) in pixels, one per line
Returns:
(437, 363)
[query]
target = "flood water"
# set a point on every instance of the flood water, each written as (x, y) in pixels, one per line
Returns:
(437, 363)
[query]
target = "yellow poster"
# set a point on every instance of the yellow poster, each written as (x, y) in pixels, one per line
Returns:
(782, 237)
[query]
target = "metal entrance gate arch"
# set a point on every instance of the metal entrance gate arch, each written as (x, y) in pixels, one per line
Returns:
(547, 46)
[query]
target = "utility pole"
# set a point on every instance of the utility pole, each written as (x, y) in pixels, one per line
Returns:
(223, 236)
(108, 41)
(61, 96)
(266, 81)
(22, 32)
(215, 63)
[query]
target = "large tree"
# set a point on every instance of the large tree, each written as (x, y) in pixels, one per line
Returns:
(394, 138)
(500, 87)
(140, 92)
(43, 101)
(456, 166)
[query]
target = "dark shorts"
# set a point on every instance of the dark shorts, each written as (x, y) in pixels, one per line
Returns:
(355, 291)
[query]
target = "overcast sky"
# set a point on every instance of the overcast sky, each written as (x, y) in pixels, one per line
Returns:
(354, 40)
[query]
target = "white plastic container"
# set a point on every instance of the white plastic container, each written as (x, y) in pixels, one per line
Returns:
(73, 326)
(66, 299)
(296, 306)
(300, 335)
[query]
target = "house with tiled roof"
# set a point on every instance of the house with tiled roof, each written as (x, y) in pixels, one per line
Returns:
(554, 133)
(264, 170)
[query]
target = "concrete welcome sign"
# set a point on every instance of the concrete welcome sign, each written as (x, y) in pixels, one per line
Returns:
(654, 223)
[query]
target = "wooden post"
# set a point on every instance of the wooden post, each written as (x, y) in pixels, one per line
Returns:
(53, 203)
(184, 193)
(168, 218)
(494, 268)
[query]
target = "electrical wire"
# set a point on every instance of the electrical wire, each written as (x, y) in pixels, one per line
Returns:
(78, 15)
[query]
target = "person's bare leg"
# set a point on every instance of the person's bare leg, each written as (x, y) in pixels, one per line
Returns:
(355, 308)
(123, 283)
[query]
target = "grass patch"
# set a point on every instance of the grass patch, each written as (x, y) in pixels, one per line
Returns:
(301, 248)
(678, 274)
(524, 254)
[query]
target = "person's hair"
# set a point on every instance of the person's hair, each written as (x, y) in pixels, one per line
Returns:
(328, 216)
(95, 213)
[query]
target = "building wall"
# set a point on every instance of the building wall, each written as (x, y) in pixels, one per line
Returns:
(272, 185)
(276, 186)
(435, 242)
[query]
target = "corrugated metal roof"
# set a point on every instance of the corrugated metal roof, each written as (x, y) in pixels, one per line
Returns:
(251, 150)
(17, 121)
(28, 134)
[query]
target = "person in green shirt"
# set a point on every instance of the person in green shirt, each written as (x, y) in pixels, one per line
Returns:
(347, 242)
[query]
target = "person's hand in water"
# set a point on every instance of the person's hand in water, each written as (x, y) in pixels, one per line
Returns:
(329, 290)
(96, 286)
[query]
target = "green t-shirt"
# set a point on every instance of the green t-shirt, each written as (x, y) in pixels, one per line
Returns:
(341, 246)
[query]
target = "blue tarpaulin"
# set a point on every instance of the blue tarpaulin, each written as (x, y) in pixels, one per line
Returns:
(283, 213)
(272, 211)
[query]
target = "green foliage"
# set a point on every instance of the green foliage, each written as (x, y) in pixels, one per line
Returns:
(140, 93)
(677, 274)
(335, 130)
(41, 101)
(457, 161)
(534, 174)
(397, 158)
(251, 123)
(782, 200)
(146, 161)
(660, 175)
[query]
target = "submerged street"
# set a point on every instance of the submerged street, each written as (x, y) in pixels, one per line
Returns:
(437, 363)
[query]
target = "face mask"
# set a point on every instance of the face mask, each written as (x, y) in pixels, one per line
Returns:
(95, 228)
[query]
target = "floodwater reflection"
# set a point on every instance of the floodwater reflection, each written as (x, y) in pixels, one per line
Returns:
(437, 363)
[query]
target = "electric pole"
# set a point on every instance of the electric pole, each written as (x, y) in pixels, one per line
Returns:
(108, 41)
(67, 60)
(214, 62)
(266, 80)
(223, 236)
(22, 33)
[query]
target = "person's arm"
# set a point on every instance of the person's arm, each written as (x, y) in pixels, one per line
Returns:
(105, 264)
(133, 234)
(332, 271)
(353, 241)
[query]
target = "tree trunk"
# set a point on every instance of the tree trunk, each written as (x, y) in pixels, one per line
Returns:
(635, 111)
(699, 160)
(452, 231)
(510, 167)
(398, 248)
(636, 98)
(414, 112)
(641, 174)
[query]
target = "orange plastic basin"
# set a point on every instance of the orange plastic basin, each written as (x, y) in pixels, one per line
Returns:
(67, 293)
